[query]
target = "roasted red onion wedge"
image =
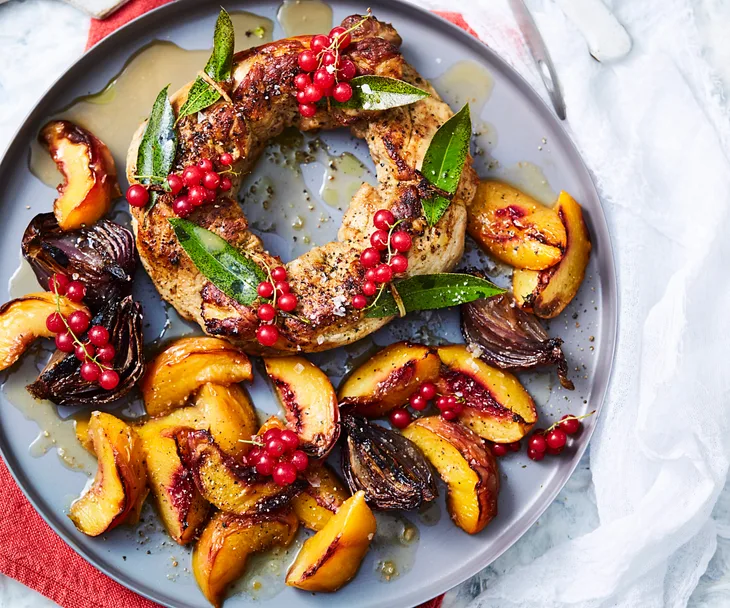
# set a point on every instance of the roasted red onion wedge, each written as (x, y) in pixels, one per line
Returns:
(504, 335)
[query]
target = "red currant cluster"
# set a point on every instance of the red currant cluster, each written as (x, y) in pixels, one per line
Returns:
(278, 291)
(197, 186)
(330, 71)
(97, 351)
(552, 440)
(449, 406)
(276, 455)
(502, 449)
(384, 258)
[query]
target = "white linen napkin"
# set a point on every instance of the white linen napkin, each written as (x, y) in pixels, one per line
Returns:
(653, 128)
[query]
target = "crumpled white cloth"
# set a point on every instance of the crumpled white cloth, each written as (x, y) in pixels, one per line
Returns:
(653, 129)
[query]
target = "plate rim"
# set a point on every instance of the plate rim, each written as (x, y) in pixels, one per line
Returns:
(599, 224)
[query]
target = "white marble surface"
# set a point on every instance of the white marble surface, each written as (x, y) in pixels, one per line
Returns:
(30, 34)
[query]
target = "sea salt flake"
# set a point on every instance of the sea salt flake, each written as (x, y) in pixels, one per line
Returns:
(339, 302)
(201, 117)
(298, 368)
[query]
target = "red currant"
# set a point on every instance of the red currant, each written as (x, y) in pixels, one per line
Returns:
(370, 257)
(554, 451)
(323, 79)
(442, 403)
(275, 447)
(279, 273)
(226, 184)
(535, 455)
(265, 463)
(418, 402)
(401, 240)
(265, 289)
(300, 460)
(225, 159)
(205, 164)
(556, 438)
(284, 474)
(54, 323)
(301, 97)
(312, 94)
(137, 195)
(58, 283)
(90, 371)
(383, 219)
(379, 239)
(340, 37)
(65, 342)
(98, 335)
(175, 182)
(342, 92)
(515, 446)
(319, 43)
(266, 312)
(197, 195)
(570, 424)
(182, 206)
(307, 60)
(359, 301)
(109, 379)
(307, 110)
(287, 302)
(369, 288)
(78, 321)
(192, 175)
(289, 439)
(400, 418)
(254, 454)
(499, 450)
(370, 274)
(329, 58)
(347, 70)
(267, 335)
(302, 81)
(457, 407)
(537, 442)
(76, 291)
(282, 287)
(211, 180)
(449, 415)
(274, 433)
(383, 274)
(84, 351)
(399, 263)
(427, 390)
(105, 353)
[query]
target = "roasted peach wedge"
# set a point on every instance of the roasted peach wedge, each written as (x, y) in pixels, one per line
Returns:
(330, 559)
(121, 481)
(496, 406)
(515, 228)
(221, 553)
(229, 416)
(187, 364)
(320, 500)
(386, 380)
(546, 293)
(24, 319)
(309, 402)
(225, 482)
(182, 508)
(467, 468)
(90, 176)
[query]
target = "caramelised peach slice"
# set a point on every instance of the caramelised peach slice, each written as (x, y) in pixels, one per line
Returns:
(24, 319)
(221, 553)
(182, 509)
(496, 406)
(121, 481)
(90, 175)
(330, 559)
(468, 469)
(186, 365)
(225, 482)
(320, 500)
(546, 293)
(514, 227)
(229, 416)
(386, 380)
(309, 402)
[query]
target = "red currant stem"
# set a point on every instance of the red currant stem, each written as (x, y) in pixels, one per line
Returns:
(76, 340)
(157, 177)
(229, 170)
(357, 25)
(390, 233)
(291, 315)
(571, 417)
(377, 297)
(257, 441)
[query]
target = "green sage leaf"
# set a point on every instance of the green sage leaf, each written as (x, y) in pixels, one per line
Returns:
(228, 269)
(444, 161)
(431, 291)
(202, 95)
(381, 93)
(159, 143)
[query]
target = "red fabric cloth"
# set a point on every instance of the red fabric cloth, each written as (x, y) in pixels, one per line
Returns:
(31, 552)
